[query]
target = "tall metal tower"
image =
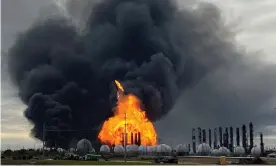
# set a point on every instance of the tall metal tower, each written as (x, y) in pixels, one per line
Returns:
(251, 135)
(210, 138)
(204, 135)
(215, 139)
(231, 139)
(244, 138)
(262, 144)
(194, 140)
(238, 136)
(199, 136)
(220, 137)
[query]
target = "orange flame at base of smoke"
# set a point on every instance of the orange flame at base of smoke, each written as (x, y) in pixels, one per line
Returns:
(128, 110)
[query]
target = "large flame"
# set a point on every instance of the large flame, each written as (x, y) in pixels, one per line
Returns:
(127, 113)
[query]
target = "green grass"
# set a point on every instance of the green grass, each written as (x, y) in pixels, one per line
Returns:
(71, 162)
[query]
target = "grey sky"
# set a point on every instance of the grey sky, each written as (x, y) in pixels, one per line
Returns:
(254, 19)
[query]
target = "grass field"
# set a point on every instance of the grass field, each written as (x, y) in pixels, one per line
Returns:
(71, 162)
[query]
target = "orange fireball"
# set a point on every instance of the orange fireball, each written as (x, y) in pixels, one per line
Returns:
(128, 116)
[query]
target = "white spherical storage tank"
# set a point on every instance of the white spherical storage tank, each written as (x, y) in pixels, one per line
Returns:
(105, 149)
(256, 151)
(204, 149)
(182, 149)
(163, 149)
(215, 152)
(239, 151)
(131, 149)
(119, 149)
(84, 146)
(223, 151)
(142, 150)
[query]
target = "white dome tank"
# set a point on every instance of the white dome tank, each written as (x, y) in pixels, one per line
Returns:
(204, 149)
(105, 149)
(239, 151)
(118, 149)
(256, 151)
(163, 148)
(142, 149)
(223, 151)
(132, 148)
(182, 148)
(84, 146)
(215, 152)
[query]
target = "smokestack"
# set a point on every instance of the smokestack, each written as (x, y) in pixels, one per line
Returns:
(220, 137)
(199, 136)
(210, 138)
(132, 139)
(244, 139)
(215, 139)
(238, 136)
(251, 135)
(204, 135)
(139, 138)
(262, 144)
(231, 139)
(194, 140)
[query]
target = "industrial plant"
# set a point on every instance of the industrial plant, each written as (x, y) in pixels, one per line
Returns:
(226, 145)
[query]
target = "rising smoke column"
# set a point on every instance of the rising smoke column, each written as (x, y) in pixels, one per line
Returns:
(65, 75)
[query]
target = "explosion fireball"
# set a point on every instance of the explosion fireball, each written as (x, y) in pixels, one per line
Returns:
(129, 112)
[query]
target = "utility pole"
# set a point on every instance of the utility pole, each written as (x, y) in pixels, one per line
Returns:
(125, 139)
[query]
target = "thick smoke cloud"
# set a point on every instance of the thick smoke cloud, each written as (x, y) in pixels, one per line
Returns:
(65, 71)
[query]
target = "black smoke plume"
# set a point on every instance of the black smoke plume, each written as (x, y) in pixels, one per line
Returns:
(65, 71)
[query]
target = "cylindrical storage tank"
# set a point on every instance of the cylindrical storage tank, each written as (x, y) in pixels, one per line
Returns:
(215, 152)
(182, 150)
(223, 151)
(142, 150)
(239, 151)
(84, 146)
(104, 149)
(203, 149)
(256, 151)
(119, 150)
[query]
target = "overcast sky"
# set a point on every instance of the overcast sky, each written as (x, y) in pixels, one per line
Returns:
(256, 22)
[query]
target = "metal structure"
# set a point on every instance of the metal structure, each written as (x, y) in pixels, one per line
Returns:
(215, 139)
(199, 136)
(204, 135)
(262, 143)
(220, 137)
(210, 138)
(226, 138)
(231, 145)
(244, 138)
(238, 136)
(194, 140)
(251, 136)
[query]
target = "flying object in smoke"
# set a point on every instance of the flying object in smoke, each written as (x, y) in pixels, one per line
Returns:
(65, 75)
